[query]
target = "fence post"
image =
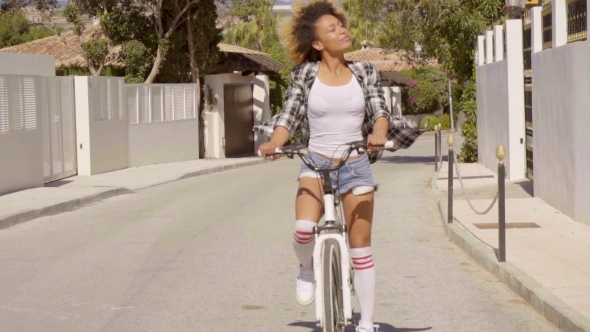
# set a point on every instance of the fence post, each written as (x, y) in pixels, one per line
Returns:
(436, 148)
(451, 142)
(501, 154)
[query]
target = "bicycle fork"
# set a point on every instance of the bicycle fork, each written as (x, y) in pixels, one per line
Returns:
(344, 262)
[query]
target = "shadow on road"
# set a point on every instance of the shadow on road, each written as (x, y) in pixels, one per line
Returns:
(383, 327)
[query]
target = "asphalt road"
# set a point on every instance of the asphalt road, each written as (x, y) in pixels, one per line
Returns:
(214, 253)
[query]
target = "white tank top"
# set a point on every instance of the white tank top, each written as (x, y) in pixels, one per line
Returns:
(336, 115)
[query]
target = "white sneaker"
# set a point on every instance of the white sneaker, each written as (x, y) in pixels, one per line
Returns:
(305, 286)
(375, 328)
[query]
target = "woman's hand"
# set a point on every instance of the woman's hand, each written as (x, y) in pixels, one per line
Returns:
(376, 139)
(269, 148)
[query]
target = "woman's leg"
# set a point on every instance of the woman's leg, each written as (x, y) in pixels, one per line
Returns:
(308, 209)
(358, 211)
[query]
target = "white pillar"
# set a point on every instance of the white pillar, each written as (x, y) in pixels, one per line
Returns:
(559, 13)
(489, 46)
(396, 101)
(516, 131)
(536, 30)
(499, 38)
(261, 106)
(81, 88)
(481, 57)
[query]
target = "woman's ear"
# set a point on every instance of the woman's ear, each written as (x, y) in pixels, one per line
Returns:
(317, 45)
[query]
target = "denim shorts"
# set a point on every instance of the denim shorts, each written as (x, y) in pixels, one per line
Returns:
(355, 175)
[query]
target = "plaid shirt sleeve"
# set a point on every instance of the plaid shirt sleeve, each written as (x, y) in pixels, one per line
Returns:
(289, 117)
(377, 104)
(292, 102)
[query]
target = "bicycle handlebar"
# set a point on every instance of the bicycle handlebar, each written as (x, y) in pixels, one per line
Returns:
(292, 150)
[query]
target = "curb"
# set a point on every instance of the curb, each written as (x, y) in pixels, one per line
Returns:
(541, 299)
(76, 203)
(66, 206)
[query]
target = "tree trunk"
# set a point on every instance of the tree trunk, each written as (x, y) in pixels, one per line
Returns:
(156, 66)
(192, 51)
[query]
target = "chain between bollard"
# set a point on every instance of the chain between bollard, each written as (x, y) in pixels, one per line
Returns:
(465, 194)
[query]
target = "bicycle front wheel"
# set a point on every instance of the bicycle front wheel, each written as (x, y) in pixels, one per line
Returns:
(333, 304)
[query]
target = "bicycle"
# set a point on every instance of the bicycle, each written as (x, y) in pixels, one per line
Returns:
(333, 269)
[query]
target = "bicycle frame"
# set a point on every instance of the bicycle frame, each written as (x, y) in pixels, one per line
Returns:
(342, 238)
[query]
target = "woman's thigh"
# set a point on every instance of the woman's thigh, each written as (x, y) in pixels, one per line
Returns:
(358, 211)
(309, 202)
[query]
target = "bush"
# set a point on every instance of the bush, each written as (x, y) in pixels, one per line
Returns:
(433, 122)
(468, 105)
(445, 121)
(427, 93)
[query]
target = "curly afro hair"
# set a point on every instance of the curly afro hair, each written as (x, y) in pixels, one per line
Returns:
(298, 30)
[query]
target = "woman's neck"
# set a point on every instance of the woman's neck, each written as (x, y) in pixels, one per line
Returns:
(334, 65)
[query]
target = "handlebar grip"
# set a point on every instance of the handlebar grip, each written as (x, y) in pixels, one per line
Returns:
(277, 151)
(389, 145)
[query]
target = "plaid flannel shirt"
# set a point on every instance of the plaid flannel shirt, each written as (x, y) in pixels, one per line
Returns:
(294, 114)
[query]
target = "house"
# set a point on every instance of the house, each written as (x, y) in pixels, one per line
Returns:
(239, 85)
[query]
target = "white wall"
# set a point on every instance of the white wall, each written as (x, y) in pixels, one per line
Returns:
(102, 145)
(215, 120)
(561, 122)
(21, 151)
(27, 64)
(163, 142)
(109, 146)
(22, 161)
(500, 106)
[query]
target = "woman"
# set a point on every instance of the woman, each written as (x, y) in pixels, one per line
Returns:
(331, 102)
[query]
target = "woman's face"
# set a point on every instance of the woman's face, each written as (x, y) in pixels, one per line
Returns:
(332, 36)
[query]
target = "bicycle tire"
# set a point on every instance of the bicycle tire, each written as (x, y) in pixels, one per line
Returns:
(332, 275)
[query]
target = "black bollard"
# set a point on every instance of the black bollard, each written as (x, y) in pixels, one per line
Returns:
(451, 142)
(501, 154)
(436, 151)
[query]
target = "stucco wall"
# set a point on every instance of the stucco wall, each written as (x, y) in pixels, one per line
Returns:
(561, 121)
(22, 161)
(163, 142)
(27, 64)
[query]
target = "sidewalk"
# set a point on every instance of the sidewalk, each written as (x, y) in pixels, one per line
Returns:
(71, 193)
(547, 261)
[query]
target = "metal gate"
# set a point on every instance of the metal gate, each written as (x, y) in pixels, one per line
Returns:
(59, 128)
(528, 92)
(238, 119)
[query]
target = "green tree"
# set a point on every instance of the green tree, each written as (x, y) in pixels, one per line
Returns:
(428, 93)
(16, 29)
(361, 27)
(441, 30)
(246, 8)
(94, 48)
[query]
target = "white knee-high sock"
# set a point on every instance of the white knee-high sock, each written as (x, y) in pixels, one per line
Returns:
(304, 241)
(364, 283)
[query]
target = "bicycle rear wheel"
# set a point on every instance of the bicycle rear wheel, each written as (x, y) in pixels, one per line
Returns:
(332, 275)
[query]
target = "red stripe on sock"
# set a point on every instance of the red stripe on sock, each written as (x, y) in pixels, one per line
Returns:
(303, 233)
(365, 261)
(364, 268)
(304, 241)
(302, 238)
(361, 258)
(370, 261)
